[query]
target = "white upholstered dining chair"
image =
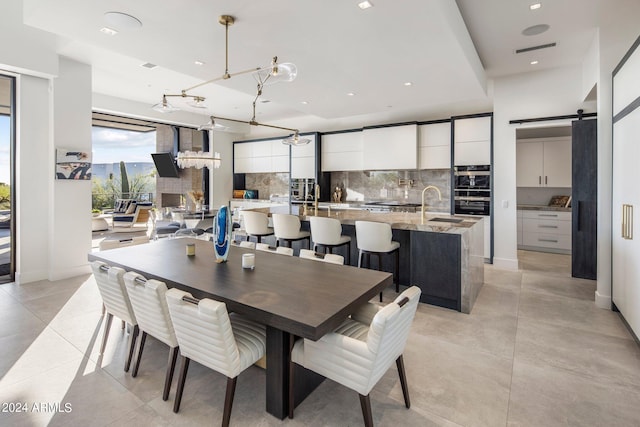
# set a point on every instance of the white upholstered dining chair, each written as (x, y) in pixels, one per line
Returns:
(361, 350)
(282, 250)
(330, 258)
(115, 303)
(208, 334)
(152, 312)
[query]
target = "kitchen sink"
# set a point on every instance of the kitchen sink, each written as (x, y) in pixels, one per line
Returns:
(453, 220)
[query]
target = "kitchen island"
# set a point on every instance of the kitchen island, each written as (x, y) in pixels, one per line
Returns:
(445, 259)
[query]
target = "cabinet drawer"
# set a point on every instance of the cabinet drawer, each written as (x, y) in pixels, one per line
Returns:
(555, 241)
(547, 226)
(562, 216)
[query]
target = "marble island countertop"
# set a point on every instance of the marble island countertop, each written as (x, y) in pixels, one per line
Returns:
(433, 222)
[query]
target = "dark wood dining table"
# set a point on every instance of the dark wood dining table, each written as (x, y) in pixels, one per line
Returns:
(293, 297)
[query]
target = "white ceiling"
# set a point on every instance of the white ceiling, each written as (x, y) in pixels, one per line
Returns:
(337, 48)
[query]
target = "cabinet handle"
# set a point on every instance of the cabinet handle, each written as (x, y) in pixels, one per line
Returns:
(545, 180)
(627, 222)
(539, 180)
(551, 215)
(547, 226)
(547, 240)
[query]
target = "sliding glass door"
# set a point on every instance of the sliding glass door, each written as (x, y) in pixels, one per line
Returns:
(7, 181)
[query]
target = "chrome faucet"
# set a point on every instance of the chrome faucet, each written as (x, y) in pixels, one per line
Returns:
(423, 191)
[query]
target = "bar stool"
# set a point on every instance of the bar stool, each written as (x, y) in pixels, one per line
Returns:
(256, 224)
(327, 232)
(287, 228)
(375, 238)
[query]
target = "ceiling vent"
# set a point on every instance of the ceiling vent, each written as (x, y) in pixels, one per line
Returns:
(149, 65)
(542, 46)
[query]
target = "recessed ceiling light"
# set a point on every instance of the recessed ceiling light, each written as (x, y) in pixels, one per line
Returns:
(408, 83)
(351, 94)
(265, 101)
(122, 21)
(304, 102)
(365, 5)
(534, 62)
(148, 65)
(534, 30)
(108, 31)
(535, 6)
(198, 62)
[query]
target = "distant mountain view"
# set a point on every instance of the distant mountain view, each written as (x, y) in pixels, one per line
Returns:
(105, 171)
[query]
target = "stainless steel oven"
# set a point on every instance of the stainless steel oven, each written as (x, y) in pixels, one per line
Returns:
(472, 190)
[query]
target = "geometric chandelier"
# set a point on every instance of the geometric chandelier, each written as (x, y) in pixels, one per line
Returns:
(274, 73)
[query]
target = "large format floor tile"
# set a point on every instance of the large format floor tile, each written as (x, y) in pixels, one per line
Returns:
(535, 351)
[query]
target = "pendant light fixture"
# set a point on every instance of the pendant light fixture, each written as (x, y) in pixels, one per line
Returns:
(274, 73)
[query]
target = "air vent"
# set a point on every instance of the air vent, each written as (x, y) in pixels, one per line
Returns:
(542, 46)
(149, 65)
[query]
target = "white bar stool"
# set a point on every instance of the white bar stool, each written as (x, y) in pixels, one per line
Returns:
(287, 228)
(375, 238)
(327, 232)
(256, 224)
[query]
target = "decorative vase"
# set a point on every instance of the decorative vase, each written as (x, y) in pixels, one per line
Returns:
(221, 240)
(198, 207)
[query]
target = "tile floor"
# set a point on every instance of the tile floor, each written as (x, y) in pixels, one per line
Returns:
(535, 351)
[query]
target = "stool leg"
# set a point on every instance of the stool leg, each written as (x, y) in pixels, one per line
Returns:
(380, 269)
(349, 253)
(397, 272)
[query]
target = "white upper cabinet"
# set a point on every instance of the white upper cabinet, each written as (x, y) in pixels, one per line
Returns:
(261, 157)
(342, 152)
(434, 146)
(393, 147)
(472, 139)
(543, 162)
(303, 159)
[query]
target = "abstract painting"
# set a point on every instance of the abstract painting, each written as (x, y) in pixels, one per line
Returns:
(73, 164)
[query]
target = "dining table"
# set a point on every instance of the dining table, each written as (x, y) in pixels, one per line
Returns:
(294, 297)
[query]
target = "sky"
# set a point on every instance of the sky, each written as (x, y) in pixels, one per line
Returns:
(113, 145)
(109, 146)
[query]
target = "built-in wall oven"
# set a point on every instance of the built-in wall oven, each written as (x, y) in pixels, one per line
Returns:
(472, 190)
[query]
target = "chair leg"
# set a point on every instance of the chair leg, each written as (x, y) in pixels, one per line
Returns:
(360, 259)
(365, 404)
(228, 401)
(171, 366)
(181, 379)
(403, 381)
(136, 364)
(349, 253)
(380, 269)
(134, 337)
(107, 326)
(397, 271)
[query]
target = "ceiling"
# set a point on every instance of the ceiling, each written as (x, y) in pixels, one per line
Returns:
(448, 50)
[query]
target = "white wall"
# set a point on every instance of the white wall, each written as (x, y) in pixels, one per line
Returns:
(70, 239)
(34, 173)
(540, 94)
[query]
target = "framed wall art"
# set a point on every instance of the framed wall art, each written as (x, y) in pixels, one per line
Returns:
(73, 164)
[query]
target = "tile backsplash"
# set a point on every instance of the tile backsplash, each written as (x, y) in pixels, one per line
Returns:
(268, 184)
(385, 185)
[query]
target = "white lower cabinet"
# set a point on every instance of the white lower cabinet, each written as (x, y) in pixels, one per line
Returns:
(544, 230)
